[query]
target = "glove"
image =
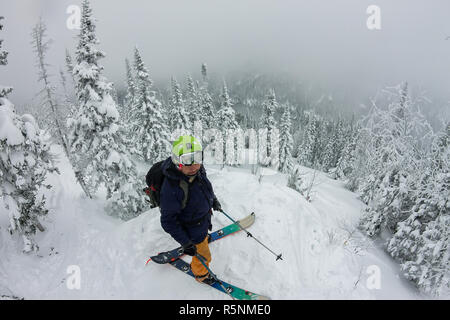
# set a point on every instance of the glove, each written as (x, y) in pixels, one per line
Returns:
(190, 249)
(216, 205)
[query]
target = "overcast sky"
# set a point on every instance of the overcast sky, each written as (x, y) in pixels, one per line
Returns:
(327, 42)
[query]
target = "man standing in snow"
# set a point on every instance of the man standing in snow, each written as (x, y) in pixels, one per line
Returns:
(187, 200)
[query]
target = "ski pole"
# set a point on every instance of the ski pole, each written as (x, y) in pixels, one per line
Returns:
(250, 235)
(202, 260)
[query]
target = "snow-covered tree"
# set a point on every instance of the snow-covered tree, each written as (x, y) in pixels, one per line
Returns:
(69, 64)
(421, 242)
(392, 162)
(126, 111)
(130, 96)
(63, 79)
(207, 111)
(193, 103)
(333, 147)
(25, 161)
(228, 125)
(268, 124)
(204, 71)
(347, 167)
(286, 140)
(68, 85)
(4, 91)
(51, 112)
(91, 116)
(178, 117)
(96, 137)
(120, 177)
(149, 123)
(226, 114)
(296, 179)
(308, 153)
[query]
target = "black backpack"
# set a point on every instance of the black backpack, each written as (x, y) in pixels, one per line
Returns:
(155, 179)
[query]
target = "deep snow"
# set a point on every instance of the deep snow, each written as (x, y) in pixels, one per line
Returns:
(324, 256)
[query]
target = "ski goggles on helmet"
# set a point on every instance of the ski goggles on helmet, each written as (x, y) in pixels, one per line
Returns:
(191, 158)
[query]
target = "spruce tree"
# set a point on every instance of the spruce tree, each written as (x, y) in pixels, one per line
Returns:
(286, 141)
(226, 114)
(4, 91)
(192, 101)
(208, 115)
(204, 71)
(392, 146)
(205, 105)
(96, 136)
(25, 161)
(347, 166)
(126, 110)
(149, 123)
(131, 91)
(308, 154)
(178, 117)
(421, 242)
(91, 116)
(334, 147)
(228, 126)
(268, 124)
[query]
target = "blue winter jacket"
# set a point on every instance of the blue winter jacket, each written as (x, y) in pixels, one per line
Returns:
(191, 224)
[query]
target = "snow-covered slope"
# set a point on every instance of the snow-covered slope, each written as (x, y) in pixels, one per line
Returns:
(324, 257)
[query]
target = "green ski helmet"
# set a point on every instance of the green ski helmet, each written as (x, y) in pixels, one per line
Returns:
(186, 151)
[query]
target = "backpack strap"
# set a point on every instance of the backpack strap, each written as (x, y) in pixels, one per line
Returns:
(185, 187)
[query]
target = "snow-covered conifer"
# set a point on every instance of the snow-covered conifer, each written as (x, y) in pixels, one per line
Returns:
(178, 117)
(4, 91)
(193, 103)
(130, 96)
(208, 114)
(421, 242)
(25, 161)
(228, 125)
(204, 71)
(347, 167)
(296, 179)
(333, 147)
(51, 111)
(149, 123)
(96, 137)
(392, 147)
(268, 124)
(286, 141)
(69, 63)
(308, 154)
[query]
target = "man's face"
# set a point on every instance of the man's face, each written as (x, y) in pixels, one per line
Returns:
(190, 170)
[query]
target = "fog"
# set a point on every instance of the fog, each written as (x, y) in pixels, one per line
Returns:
(322, 42)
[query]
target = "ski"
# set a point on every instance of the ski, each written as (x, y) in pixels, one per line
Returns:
(168, 256)
(235, 292)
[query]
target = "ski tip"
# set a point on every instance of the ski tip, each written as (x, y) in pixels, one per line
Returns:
(148, 261)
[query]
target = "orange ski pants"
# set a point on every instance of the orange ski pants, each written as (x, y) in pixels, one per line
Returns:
(198, 269)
